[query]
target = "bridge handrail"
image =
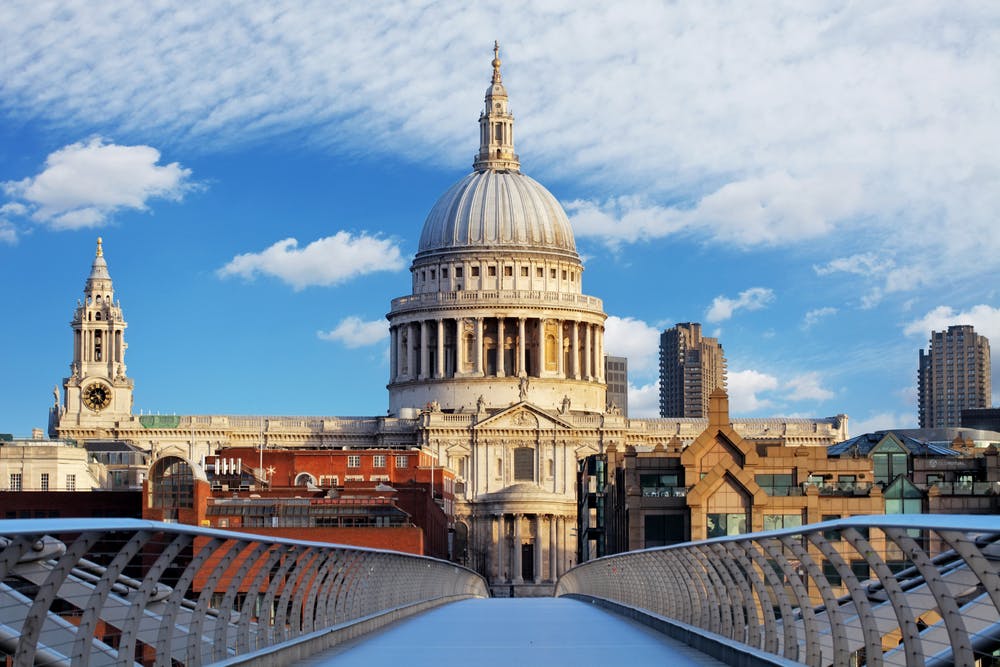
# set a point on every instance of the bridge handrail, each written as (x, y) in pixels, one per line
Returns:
(804, 593)
(114, 591)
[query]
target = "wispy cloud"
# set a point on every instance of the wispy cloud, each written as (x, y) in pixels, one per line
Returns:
(324, 262)
(772, 125)
(813, 317)
(85, 183)
(353, 332)
(723, 307)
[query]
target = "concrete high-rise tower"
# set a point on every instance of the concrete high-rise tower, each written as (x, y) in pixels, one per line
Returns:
(954, 374)
(691, 368)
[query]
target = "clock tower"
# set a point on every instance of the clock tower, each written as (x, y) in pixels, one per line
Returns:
(98, 393)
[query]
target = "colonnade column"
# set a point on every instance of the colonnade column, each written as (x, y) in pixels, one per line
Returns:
(553, 574)
(500, 369)
(479, 346)
(588, 371)
(541, 347)
(516, 574)
(560, 544)
(393, 354)
(411, 356)
(521, 367)
(400, 351)
(575, 358)
(498, 545)
(560, 352)
(425, 351)
(600, 354)
(439, 371)
(537, 552)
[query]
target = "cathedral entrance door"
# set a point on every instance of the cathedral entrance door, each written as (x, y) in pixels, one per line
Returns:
(528, 562)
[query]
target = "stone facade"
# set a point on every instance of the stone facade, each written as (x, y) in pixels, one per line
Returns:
(496, 369)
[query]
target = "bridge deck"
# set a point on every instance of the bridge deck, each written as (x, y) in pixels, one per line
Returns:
(519, 631)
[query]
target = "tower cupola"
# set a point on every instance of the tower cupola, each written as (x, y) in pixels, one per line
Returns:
(496, 126)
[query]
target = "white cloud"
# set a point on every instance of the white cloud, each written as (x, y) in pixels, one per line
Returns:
(881, 421)
(807, 387)
(644, 400)
(327, 261)
(985, 319)
(775, 124)
(8, 232)
(637, 340)
(354, 332)
(862, 264)
(744, 388)
(722, 307)
(815, 315)
(85, 183)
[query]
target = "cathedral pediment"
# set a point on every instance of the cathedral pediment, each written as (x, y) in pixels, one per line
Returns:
(523, 416)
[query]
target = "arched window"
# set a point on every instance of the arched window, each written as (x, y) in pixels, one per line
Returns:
(97, 316)
(171, 486)
(304, 479)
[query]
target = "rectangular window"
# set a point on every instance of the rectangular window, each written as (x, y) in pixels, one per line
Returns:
(491, 271)
(775, 485)
(444, 272)
(663, 529)
(552, 274)
(329, 480)
(353, 461)
(831, 574)
(378, 461)
(524, 272)
(524, 464)
(71, 482)
(779, 521)
(831, 535)
(508, 271)
(433, 274)
(475, 272)
(45, 481)
(402, 461)
(564, 274)
(540, 272)
(15, 481)
(459, 271)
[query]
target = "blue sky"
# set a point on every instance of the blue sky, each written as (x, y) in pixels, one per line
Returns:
(817, 183)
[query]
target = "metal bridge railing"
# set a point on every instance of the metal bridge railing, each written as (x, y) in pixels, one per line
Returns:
(871, 590)
(116, 591)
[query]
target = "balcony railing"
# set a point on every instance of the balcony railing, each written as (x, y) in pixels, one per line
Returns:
(115, 591)
(874, 590)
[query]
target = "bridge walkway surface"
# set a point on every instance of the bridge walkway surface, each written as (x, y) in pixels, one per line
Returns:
(522, 632)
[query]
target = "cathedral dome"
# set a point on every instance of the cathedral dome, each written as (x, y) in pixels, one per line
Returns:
(487, 209)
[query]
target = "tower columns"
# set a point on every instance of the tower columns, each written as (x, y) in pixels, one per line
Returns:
(521, 368)
(439, 371)
(500, 348)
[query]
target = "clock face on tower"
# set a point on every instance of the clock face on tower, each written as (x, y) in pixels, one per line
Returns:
(96, 396)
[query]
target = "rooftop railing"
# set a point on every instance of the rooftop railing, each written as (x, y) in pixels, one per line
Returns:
(873, 590)
(117, 591)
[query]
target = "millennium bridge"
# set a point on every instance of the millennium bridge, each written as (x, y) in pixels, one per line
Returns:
(872, 590)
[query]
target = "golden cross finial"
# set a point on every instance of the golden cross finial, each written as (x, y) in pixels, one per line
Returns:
(496, 61)
(100, 250)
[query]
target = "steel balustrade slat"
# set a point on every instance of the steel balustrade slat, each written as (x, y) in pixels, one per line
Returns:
(790, 640)
(862, 606)
(329, 557)
(94, 605)
(164, 640)
(46, 594)
(131, 628)
(323, 608)
(961, 646)
(747, 624)
(763, 600)
(196, 646)
(720, 599)
(223, 622)
(904, 616)
(300, 566)
(976, 562)
(701, 600)
(302, 586)
(250, 606)
(814, 654)
(840, 648)
(266, 617)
